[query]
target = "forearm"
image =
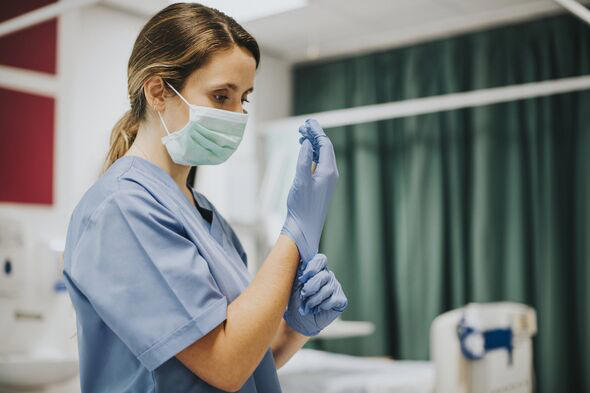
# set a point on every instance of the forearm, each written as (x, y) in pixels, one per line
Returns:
(286, 343)
(254, 317)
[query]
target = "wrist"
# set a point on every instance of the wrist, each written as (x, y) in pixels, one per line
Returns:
(292, 231)
(294, 234)
(290, 243)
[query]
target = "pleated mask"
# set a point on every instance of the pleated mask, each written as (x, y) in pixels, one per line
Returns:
(209, 137)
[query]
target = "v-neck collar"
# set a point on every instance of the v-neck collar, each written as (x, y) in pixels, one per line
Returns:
(215, 229)
(222, 248)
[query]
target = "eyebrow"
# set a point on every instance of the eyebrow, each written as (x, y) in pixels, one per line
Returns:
(232, 87)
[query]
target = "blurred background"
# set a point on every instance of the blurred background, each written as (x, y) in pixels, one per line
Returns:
(462, 135)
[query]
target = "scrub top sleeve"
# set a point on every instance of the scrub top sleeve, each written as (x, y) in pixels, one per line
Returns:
(146, 280)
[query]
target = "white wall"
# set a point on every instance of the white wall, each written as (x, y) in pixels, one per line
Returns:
(95, 84)
(94, 44)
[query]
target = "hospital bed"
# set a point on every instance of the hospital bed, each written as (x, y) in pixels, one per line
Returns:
(479, 348)
(313, 371)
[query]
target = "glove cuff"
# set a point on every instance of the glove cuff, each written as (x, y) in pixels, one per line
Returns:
(293, 324)
(291, 230)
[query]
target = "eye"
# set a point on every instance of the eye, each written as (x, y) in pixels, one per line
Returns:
(220, 98)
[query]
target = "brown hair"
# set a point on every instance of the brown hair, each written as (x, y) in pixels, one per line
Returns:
(173, 43)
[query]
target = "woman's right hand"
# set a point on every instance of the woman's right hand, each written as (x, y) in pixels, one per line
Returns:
(311, 193)
(316, 298)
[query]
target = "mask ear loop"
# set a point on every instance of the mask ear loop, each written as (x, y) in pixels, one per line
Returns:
(164, 124)
(185, 101)
(159, 114)
(181, 97)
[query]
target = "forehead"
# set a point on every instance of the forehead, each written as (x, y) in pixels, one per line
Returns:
(235, 66)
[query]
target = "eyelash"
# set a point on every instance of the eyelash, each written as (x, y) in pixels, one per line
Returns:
(225, 98)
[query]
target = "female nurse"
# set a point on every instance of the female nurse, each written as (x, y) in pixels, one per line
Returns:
(159, 281)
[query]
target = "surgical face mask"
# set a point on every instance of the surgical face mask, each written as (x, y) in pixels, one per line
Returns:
(209, 137)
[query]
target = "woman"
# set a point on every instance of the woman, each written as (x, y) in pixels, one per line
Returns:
(159, 280)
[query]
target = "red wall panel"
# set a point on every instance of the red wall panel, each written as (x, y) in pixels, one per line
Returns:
(26, 147)
(27, 120)
(33, 48)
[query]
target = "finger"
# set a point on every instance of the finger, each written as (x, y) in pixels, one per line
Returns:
(315, 283)
(311, 130)
(316, 149)
(324, 293)
(314, 266)
(337, 301)
(327, 158)
(304, 131)
(332, 303)
(314, 128)
(304, 160)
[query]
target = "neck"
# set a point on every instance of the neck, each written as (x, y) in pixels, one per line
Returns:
(148, 145)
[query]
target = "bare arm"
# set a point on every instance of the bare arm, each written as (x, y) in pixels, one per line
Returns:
(229, 354)
(286, 343)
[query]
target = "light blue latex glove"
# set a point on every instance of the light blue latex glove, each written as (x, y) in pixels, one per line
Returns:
(310, 194)
(316, 298)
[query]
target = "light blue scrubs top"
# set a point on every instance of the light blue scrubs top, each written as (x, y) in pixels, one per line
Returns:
(148, 276)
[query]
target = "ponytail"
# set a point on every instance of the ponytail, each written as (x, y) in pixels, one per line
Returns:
(122, 137)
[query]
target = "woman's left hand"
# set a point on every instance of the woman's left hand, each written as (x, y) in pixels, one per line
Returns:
(316, 299)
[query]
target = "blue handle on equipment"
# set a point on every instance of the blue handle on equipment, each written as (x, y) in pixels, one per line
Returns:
(492, 338)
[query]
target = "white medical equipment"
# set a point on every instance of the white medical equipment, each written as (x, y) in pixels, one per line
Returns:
(484, 348)
(37, 320)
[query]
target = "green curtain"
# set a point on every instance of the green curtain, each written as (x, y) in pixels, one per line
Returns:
(482, 204)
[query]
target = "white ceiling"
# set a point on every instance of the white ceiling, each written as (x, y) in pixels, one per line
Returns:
(333, 28)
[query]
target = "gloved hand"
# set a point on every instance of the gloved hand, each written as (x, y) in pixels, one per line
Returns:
(310, 194)
(316, 298)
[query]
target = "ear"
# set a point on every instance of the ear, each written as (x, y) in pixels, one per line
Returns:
(155, 93)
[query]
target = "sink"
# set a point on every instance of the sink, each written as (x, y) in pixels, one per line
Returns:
(38, 349)
(20, 371)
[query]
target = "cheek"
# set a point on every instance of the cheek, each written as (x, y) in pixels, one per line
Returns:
(177, 118)
(202, 98)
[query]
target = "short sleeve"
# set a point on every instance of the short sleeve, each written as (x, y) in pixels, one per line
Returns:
(145, 279)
